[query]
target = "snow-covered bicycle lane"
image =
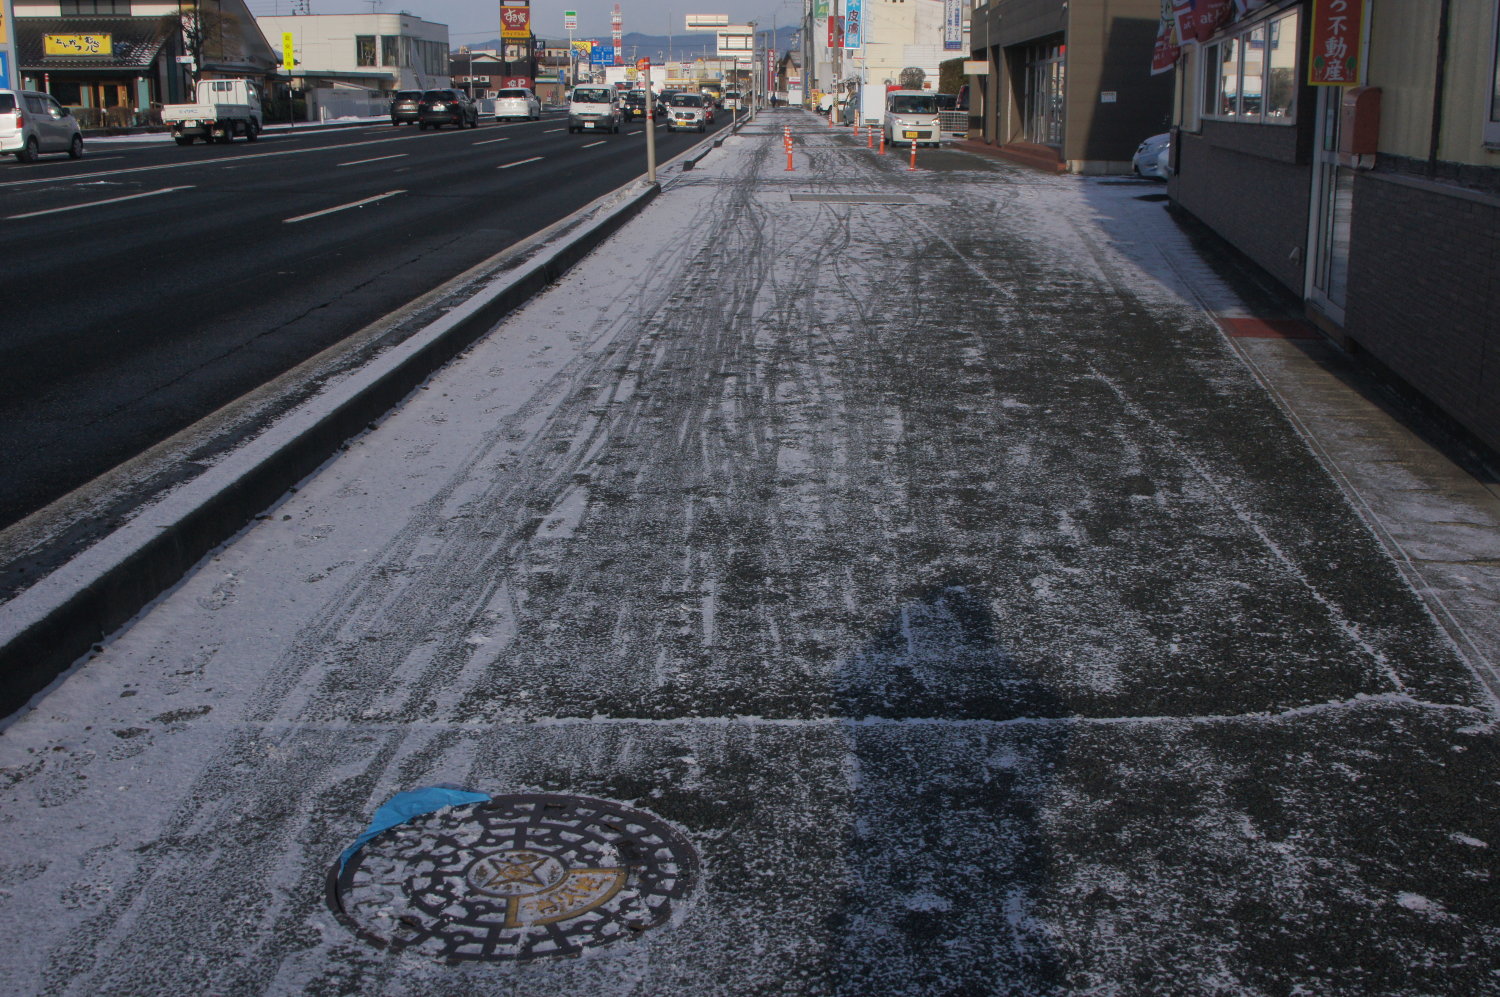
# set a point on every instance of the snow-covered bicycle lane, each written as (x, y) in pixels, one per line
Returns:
(940, 574)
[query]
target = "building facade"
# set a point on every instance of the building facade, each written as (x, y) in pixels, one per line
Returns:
(114, 60)
(376, 52)
(1375, 197)
(1067, 84)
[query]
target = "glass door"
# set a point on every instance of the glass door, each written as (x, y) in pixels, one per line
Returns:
(1332, 204)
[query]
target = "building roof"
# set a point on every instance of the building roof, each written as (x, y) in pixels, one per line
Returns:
(134, 41)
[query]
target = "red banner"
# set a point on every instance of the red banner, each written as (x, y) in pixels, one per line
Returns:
(1164, 55)
(835, 32)
(1337, 32)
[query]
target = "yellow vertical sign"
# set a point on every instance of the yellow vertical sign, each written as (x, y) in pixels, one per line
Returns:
(288, 53)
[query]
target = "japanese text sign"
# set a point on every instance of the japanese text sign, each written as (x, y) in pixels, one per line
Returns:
(1337, 34)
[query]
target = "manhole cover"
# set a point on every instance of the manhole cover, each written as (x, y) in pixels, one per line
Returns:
(518, 877)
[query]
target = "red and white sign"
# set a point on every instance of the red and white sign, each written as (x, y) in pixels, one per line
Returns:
(1337, 33)
(515, 82)
(515, 22)
(835, 32)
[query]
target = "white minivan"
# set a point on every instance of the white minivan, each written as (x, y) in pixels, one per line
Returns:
(517, 103)
(911, 117)
(32, 122)
(594, 109)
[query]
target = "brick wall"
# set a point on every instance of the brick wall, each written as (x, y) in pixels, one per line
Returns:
(1424, 292)
(1257, 201)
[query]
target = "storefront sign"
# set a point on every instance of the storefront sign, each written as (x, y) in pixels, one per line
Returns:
(854, 24)
(1337, 33)
(288, 51)
(835, 32)
(515, 22)
(515, 82)
(570, 20)
(953, 25)
(78, 45)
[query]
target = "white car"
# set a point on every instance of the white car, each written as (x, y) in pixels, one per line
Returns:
(911, 118)
(688, 110)
(517, 104)
(1152, 157)
(32, 122)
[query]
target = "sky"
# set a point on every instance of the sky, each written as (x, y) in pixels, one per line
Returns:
(471, 21)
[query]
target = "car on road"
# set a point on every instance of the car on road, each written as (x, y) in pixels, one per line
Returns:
(32, 122)
(732, 100)
(447, 107)
(594, 109)
(687, 111)
(1152, 156)
(633, 105)
(911, 118)
(517, 103)
(405, 105)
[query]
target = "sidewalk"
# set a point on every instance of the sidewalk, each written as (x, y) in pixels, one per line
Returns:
(916, 544)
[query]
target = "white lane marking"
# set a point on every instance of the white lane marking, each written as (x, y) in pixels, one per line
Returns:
(549, 131)
(377, 159)
(519, 162)
(592, 144)
(343, 207)
(219, 162)
(492, 141)
(95, 204)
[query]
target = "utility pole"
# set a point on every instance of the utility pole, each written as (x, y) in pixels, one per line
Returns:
(644, 66)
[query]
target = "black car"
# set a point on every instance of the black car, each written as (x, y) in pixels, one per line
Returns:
(634, 104)
(404, 107)
(447, 107)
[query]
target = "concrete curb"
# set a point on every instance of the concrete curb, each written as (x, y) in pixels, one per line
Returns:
(51, 625)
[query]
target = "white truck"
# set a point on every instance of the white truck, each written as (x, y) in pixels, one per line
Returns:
(224, 109)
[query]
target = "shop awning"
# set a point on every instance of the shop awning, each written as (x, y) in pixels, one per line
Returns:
(73, 43)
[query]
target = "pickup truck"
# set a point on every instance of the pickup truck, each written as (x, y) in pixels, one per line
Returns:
(224, 109)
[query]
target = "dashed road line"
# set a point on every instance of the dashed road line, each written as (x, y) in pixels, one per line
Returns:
(377, 159)
(592, 144)
(343, 207)
(95, 204)
(520, 162)
(492, 141)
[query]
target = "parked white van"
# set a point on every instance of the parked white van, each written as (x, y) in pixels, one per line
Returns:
(594, 109)
(911, 116)
(32, 122)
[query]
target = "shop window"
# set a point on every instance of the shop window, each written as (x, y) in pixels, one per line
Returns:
(390, 50)
(364, 50)
(1251, 75)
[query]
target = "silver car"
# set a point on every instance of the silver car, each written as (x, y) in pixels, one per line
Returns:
(687, 111)
(517, 103)
(1152, 158)
(32, 123)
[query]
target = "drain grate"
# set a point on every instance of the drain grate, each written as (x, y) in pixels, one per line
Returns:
(516, 878)
(857, 198)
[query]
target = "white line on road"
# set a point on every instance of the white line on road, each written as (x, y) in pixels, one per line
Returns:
(95, 204)
(519, 162)
(377, 159)
(592, 144)
(492, 141)
(549, 131)
(343, 207)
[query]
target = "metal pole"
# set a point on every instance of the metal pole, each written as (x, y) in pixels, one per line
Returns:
(650, 129)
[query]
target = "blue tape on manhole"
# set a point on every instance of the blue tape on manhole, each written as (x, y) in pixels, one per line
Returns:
(512, 877)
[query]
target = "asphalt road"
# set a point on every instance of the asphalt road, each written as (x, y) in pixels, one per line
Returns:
(150, 284)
